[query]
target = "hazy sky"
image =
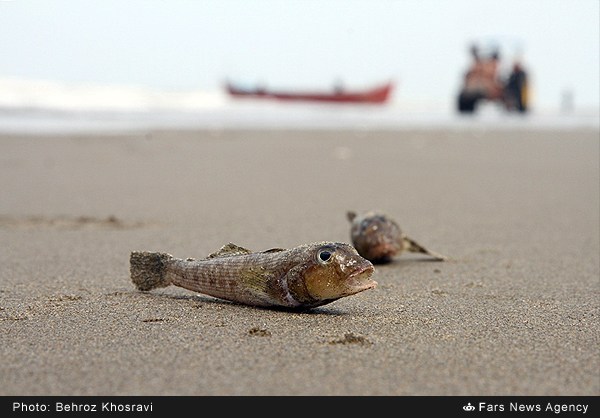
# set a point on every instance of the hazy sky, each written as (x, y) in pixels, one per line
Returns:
(421, 44)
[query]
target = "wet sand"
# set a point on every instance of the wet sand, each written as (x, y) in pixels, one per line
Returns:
(513, 312)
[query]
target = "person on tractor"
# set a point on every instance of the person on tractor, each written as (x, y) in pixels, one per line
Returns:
(483, 82)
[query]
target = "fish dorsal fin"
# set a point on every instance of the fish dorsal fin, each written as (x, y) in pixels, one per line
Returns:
(230, 250)
(274, 250)
(350, 215)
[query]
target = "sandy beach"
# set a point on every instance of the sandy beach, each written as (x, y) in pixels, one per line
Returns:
(514, 311)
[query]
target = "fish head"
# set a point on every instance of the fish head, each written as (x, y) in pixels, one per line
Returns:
(335, 270)
(376, 237)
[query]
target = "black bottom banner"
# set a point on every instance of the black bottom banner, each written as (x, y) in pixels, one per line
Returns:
(467, 406)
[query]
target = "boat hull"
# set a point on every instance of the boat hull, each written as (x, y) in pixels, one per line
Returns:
(377, 95)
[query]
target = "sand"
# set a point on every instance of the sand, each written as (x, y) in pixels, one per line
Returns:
(513, 312)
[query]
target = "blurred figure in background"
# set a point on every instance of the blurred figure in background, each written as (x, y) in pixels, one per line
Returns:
(515, 91)
(482, 81)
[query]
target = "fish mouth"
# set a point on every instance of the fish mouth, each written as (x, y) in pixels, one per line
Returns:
(360, 279)
(381, 253)
(384, 249)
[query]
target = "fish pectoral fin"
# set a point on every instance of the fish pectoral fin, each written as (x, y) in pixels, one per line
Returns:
(256, 280)
(273, 250)
(229, 250)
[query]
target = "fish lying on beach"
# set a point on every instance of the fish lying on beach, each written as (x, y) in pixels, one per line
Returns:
(378, 238)
(303, 277)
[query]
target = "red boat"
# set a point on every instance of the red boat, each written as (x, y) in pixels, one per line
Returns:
(379, 94)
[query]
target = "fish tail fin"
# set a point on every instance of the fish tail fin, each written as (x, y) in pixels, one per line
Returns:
(148, 269)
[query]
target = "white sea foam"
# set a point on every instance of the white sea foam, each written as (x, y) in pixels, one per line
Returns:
(50, 95)
(50, 107)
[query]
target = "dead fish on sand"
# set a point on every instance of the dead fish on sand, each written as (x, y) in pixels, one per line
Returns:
(378, 238)
(302, 277)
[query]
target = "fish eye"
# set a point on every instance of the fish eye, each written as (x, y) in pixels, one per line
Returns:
(324, 255)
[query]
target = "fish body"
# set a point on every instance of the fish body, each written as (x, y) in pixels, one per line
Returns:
(303, 277)
(379, 239)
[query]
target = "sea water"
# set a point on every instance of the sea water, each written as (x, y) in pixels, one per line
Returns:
(54, 108)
